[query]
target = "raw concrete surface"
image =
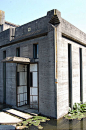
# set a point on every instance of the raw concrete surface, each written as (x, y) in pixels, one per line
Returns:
(18, 113)
(8, 119)
(26, 109)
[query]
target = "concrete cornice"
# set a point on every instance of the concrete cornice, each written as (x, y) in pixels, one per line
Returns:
(29, 36)
(73, 38)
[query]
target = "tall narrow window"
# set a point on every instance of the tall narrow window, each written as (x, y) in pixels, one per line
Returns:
(81, 77)
(17, 78)
(4, 78)
(70, 74)
(31, 79)
(18, 52)
(0, 28)
(35, 51)
(18, 55)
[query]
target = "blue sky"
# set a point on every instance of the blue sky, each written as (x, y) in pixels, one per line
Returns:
(24, 11)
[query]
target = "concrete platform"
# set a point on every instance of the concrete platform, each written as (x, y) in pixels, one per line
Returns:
(18, 113)
(32, 112)
(26, 108)
(7, 127)
(8, 119)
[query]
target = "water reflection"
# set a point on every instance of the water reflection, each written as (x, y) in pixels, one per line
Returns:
(64, 124)
(61, 124)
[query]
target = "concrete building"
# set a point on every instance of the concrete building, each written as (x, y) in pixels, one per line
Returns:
(4, 25)
(43, 64)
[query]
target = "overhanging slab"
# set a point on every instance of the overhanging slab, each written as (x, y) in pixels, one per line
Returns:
(16, 60)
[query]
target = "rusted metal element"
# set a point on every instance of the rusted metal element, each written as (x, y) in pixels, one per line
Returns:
(56, 76)
(2, 17)
(56, 69)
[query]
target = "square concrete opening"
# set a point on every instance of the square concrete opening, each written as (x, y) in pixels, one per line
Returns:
(27, 85)
(26, 81)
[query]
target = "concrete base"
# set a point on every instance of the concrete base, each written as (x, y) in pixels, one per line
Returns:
(8, 119)
(18, 113)
(26, 109)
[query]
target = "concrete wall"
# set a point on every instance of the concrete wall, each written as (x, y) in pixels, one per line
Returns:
(47, 76)
(7, 26)
(31, 27)
(46, 68)
(1, 77)
(84, 74)
(10, 77)
(69, 34)
(4, 37)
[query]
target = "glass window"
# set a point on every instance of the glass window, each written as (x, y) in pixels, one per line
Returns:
(4, 78)
(18, 52)
(35, 51)
(31, 79)
(17, 78)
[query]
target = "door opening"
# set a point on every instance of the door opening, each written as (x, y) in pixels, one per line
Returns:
(21, 84)
(81, 75)
(27, 85)
(70, 73)
(33, 86)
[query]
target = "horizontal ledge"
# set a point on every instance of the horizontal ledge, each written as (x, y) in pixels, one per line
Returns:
(73, 39)
(16, 60)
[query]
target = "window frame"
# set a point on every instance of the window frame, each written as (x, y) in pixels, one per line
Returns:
(18, 52)
(35, 51)
(31, 79)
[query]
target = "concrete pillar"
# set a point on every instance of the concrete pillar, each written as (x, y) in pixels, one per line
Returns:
(2, 17)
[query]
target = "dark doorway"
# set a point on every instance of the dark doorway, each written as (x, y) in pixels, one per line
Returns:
(81, 75)
(70, 74)
(4, 78)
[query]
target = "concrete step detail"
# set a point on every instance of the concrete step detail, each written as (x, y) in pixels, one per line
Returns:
(18, 113)
(8, 119)
(26, 109)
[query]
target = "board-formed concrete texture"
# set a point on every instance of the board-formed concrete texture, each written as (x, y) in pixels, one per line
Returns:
(18, 113)
(61, 65)
(8, 119)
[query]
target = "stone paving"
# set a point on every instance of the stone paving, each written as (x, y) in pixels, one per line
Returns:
(18, 113)
(8, 119)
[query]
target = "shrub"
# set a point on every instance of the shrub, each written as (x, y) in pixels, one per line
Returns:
(77, 108)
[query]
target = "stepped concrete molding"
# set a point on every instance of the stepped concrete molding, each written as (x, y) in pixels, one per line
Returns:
(18, 113)
(27, 110)
(8, 119)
